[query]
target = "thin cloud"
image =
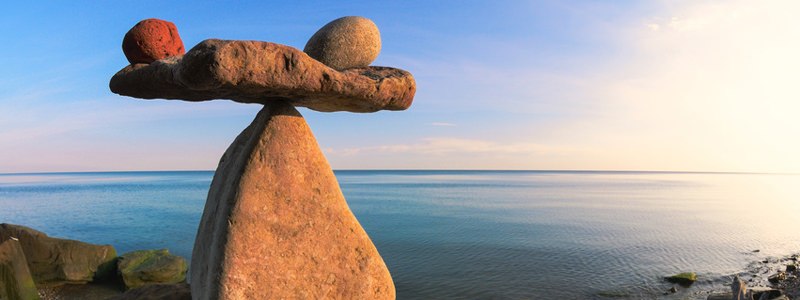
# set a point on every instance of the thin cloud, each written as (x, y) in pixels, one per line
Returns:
(443, 124)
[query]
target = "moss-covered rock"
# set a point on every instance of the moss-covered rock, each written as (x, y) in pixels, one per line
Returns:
(682, 278)
(53, 260)
(16, 282)
(144, 267)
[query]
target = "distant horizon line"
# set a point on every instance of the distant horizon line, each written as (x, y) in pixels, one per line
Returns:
(445, 170)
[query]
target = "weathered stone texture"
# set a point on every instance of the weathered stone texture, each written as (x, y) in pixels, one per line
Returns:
(344, 43)
(276, 225)
(151, 40)
(263, 72)
(53, 260)
(16, 282)
(145, 267)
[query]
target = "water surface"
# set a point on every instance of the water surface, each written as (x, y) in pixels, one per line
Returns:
(472, 234)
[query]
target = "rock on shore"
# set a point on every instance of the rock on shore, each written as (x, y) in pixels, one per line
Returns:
(16, 282)
(55, 261)
(144, 267)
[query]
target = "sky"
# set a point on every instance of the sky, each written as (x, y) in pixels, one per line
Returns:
(534, 85)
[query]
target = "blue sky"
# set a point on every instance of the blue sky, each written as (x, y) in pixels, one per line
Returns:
(575, 85)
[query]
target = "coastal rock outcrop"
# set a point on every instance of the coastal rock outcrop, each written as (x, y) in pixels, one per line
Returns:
(151, 40)
(276, 225)
(263, 72)
(54, 260)
(740, 291)
(16, 282)
(145, 267)
(344, 43)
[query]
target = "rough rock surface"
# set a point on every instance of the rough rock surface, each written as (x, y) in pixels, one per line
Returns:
(263, 72)
(276, 225)
(739, 290)
(151, 40)
(15, 278)
(54, 260)
(344, 43)
(144, 267)
(178, 291)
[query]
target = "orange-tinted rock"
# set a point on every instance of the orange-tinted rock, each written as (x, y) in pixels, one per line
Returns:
(263, 72)
(276, 225)
(151, 40)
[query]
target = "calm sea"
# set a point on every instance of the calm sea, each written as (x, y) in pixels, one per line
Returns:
(473, 234)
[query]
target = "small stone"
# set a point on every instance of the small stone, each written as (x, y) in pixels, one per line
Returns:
(16, 282)
(344, 43)
(672, 290)
(766, 293)
(791, 268)
(682, 278)
(145, 267)
(777, 277)
(151, 40)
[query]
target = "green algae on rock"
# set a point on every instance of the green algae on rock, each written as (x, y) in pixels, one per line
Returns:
(682, 278)
(144, 267)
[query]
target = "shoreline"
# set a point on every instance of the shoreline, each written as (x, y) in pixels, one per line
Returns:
(756, 276)
(759, 275)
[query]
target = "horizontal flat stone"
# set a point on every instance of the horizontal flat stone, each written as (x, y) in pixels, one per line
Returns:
(262, 72)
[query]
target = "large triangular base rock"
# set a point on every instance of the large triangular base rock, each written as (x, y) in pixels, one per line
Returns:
(276, 226)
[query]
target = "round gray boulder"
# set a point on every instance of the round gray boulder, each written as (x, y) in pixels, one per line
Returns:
(344, 43)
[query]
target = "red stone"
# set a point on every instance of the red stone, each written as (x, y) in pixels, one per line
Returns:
(151, 40)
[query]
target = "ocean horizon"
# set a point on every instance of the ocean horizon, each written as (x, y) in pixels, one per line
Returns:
(474, 234)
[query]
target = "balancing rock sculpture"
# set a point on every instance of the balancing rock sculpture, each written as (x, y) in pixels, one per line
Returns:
(275, 224)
